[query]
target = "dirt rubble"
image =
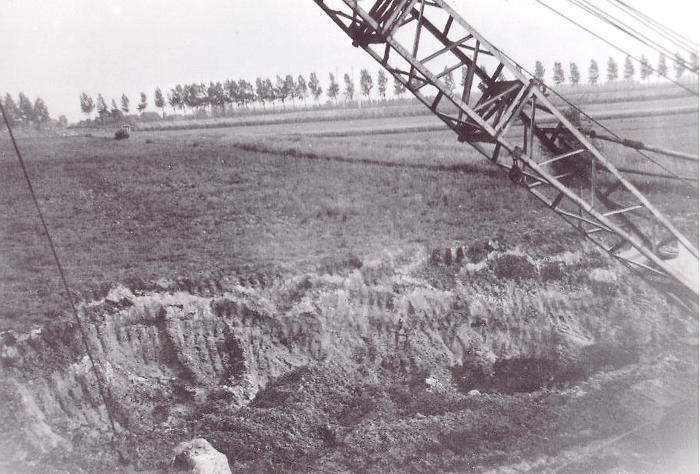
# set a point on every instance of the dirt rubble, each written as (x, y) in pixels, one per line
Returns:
(475, 358)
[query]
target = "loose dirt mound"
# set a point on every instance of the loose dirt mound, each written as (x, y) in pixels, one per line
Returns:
(486, 359)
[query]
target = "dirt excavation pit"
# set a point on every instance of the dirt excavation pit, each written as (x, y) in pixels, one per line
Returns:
(473, 358)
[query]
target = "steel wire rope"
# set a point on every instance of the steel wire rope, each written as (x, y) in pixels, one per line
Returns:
(682, 86)
(630, 31)
(681, 41)
(83, 334)
(685, 180)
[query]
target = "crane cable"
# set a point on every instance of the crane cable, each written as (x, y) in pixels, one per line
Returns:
(102, 388)
(673, 36)
(685, 180)
(682, 86)
(632, 32)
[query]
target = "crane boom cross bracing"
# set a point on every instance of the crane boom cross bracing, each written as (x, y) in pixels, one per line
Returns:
(421, 41)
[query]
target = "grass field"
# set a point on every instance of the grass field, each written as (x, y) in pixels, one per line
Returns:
(190, 203)
(285, 292)
(131, 210)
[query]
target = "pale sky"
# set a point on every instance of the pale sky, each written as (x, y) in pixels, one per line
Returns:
(58, 48)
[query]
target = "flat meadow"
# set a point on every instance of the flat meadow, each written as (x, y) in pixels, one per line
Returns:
(272, 198)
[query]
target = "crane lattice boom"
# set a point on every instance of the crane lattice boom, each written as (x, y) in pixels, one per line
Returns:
(421, 41)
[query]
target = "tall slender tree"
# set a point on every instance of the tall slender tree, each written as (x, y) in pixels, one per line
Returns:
(41, 112)
(539, 71)
(628, 71)
(574, 74)
(143, 103)
(679, 65)
(11, 110)
(302, 88)
(593, 73)
(366, 83)
(693, 62)
(102, 110)
(281, 92)
(247, 94)
(399, 88)
(382, 81)
(176, 98)
(216, 97)
(269, 90)
(290, 87)
(125, 104)
(26, 110)
(662, 68)
(232, 91)
(558, 74)
(612, 70)
(260, 94)
(114, 111)
(333, 88)
(315, 86)
(87, 105)
(159, 100)
(645, 69)
(349, 90)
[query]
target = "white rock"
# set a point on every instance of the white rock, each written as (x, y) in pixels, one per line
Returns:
(474, 392)
(199, 457)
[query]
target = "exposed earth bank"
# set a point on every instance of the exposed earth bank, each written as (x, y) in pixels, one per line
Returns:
(476, 358)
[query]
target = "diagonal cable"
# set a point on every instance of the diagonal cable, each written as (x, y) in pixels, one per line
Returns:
(83, 334)
(679, 84)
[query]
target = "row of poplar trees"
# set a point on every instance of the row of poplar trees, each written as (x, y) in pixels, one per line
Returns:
(642, 70)
(24, 112)
(220, 97)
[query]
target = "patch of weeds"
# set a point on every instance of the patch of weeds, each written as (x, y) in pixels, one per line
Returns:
(551, 271)
(514, 267)
(478, 251)
(337, 265)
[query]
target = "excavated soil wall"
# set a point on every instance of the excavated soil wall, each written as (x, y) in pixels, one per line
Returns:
(481, 318)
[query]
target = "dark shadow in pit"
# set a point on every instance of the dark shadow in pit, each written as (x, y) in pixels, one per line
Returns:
(528, 374)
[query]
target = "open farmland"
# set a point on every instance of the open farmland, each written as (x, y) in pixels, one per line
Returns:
(309, 298)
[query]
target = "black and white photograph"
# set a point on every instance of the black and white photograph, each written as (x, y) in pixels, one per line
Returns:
(349, 236)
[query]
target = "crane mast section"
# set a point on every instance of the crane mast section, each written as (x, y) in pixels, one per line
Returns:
(509, 118)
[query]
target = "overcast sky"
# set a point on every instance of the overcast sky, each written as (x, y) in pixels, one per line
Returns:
(58, 48)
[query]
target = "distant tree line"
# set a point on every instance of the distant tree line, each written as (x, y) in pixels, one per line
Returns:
(221, 98)
(25, 113)
(630, 70)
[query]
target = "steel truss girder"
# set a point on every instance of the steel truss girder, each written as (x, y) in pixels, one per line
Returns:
(619, 218)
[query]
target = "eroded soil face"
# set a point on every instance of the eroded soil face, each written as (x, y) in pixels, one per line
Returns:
(466, 359)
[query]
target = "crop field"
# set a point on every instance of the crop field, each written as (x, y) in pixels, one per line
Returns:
(302, 257)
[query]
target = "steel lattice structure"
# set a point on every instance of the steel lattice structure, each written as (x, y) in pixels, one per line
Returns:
(421, 41)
